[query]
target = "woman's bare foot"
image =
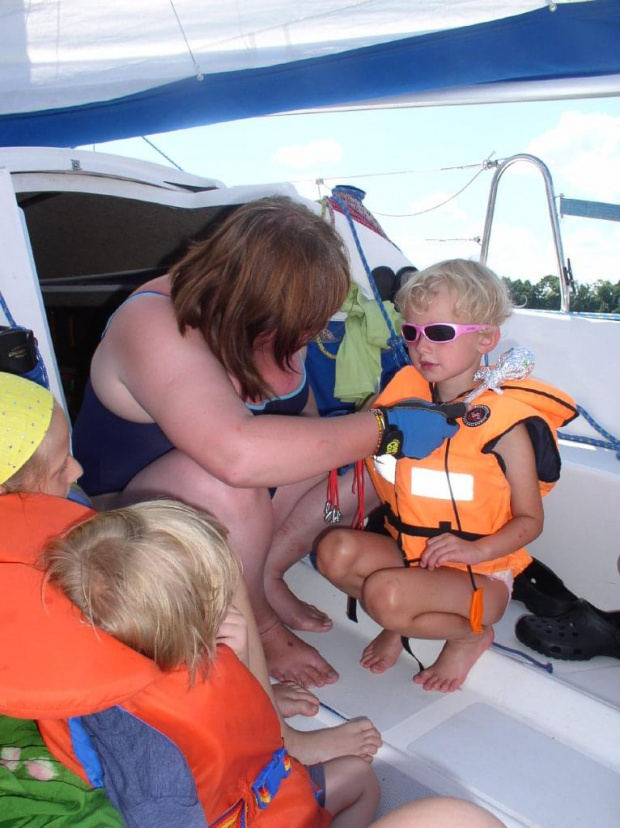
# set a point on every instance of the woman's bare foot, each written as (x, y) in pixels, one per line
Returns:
(291, 659)
(358, 737)
(294, 700)
(382, 652)
(296, 614)
(454, 662)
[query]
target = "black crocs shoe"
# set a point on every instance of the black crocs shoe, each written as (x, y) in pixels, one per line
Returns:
(542, 591)
(580, 634)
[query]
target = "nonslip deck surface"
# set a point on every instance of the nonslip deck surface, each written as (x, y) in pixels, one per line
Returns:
(469, 744)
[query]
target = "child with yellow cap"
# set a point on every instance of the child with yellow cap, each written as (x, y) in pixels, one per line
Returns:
(35, 451)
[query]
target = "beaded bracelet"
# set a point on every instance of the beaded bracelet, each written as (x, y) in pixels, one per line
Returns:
(380, 424)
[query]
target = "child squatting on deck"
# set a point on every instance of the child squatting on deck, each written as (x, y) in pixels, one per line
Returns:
(460, 518)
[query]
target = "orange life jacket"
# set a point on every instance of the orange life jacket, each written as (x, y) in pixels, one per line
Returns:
(474, 500)
(54, 666)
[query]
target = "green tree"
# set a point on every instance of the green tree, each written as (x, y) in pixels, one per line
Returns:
(601, 297)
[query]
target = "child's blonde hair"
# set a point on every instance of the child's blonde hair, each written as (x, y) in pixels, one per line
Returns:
(480, 296)
(159, 576)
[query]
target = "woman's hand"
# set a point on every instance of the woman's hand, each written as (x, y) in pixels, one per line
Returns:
(448, 548)
(415, 428)
(233, 632)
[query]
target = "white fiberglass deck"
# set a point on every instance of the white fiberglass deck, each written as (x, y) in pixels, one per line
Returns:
(537, 749)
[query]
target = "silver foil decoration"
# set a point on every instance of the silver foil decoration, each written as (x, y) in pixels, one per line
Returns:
(515, 364)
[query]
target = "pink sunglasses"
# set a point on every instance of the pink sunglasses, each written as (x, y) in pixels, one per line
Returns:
(438, 331)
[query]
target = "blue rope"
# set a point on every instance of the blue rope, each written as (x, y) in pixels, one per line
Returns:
(610, 442)
(7, 312)
(394, 342)
(520, 656)
(39, 372)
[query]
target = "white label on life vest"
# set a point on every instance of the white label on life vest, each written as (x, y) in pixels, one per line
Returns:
(385, 465)
(430, 483)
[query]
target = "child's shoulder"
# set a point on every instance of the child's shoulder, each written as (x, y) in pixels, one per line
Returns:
(555, 405)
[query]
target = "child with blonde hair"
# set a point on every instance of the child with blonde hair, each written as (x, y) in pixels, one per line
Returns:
(160, 577)
(460, 518)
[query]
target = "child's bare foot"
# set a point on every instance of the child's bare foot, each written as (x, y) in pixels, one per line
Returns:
(296, 614)
(358, 737)
(294, 700)
(291, 659)
(382, 652)
(454, 662)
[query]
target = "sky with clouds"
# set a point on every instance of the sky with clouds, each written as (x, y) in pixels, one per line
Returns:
(410, 161)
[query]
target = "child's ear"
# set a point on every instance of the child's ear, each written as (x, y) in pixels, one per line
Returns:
(488, 339)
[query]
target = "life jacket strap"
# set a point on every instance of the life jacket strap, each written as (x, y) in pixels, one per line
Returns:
(426, 531)
(264, 788)
(268, 781)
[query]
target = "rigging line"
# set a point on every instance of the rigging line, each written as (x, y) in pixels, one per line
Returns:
(436, 206)
(475, 239)
(162, 153)
(381, 174)
(199, 75)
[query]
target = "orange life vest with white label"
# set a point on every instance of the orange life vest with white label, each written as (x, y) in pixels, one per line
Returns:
(54, 666)
(461, 486)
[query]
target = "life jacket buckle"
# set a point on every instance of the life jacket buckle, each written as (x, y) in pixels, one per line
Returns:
(268, 781)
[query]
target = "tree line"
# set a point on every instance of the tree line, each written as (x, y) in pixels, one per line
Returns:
(599, 297)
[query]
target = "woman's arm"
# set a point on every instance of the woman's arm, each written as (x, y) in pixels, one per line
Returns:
(515, 448)
(145, 371)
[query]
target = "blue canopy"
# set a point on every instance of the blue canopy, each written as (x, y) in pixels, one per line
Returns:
(75, 72)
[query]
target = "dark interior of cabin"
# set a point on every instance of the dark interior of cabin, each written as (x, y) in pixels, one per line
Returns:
(91, 251)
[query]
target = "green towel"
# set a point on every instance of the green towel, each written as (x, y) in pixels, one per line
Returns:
(37, 791)
(358, 362)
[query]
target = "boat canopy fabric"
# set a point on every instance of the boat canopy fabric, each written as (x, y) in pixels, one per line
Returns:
(76, 71)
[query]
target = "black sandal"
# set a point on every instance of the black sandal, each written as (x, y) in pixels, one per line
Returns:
(578, 635)
(542, 591)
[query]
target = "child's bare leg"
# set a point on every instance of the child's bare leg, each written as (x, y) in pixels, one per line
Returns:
(359, 737)
(421, 604)
(454, 662)
(294, 700)
(382, 652)
(351, 792)
(346, 557)
(438, 812)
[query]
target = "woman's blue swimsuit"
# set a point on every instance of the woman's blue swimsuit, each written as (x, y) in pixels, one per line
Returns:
(113, 450)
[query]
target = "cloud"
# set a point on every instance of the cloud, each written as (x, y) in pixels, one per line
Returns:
(594, 250)
(304, 156)
(583, 155)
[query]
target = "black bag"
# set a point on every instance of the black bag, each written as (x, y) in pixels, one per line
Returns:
(19, 355)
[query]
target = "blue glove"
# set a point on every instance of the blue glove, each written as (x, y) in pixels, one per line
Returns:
(415, 428)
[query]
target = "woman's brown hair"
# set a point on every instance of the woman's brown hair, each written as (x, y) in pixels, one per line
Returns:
(272, 269)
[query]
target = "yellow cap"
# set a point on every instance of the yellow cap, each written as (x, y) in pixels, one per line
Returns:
(25, 415)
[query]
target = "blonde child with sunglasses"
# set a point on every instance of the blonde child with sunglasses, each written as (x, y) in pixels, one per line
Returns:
(460, 518)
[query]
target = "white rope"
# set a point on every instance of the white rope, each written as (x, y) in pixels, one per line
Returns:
(436, 206)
